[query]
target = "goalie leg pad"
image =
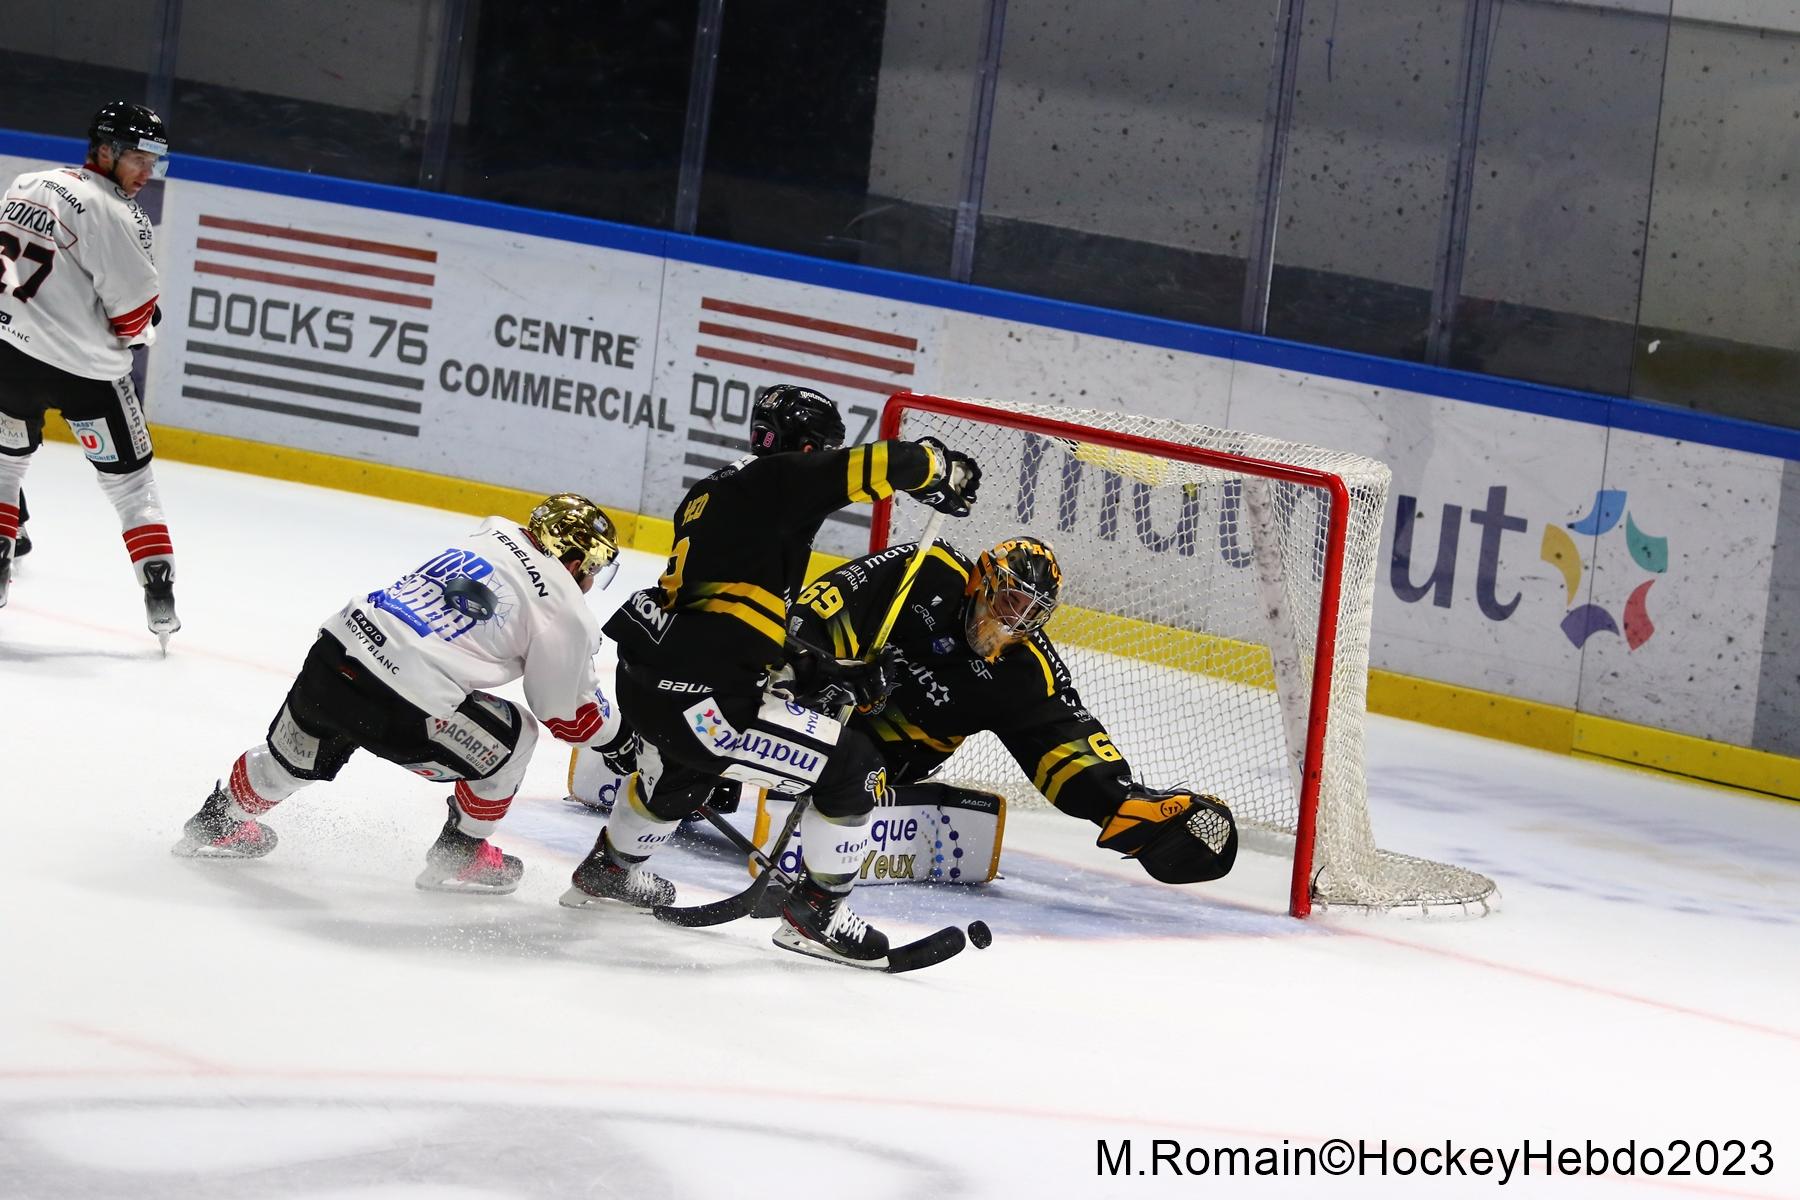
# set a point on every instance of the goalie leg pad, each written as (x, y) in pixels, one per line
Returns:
(1177, 836)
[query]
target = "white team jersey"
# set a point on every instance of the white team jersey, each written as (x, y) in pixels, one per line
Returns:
(77, 272)
(511, 612)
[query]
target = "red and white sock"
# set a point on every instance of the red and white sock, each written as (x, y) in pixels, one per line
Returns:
(479, 814)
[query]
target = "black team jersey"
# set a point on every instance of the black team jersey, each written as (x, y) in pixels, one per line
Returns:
(948, 692)
(742, 539)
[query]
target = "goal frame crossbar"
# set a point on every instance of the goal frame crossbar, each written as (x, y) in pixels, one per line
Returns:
(1312, 769)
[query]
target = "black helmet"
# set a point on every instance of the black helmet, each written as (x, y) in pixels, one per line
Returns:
(789, 417)
(1012, 592)
(131, 127)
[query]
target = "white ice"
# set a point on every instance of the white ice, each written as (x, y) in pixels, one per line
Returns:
(311, 1026)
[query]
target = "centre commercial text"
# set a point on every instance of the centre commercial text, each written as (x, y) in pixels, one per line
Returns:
(560, 393)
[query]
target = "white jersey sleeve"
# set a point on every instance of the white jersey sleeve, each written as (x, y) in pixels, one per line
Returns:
(78, 280)
(487, 610)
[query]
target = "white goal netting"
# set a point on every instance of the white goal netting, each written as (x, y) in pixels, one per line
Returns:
(1190, 618)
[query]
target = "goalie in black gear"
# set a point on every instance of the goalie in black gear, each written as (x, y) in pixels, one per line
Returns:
(973, 656)
(698, 652)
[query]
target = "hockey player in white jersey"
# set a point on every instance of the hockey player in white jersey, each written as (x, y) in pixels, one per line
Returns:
(78, 289)
(400, 672)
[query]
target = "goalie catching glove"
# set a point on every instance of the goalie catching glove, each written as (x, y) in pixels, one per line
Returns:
(955, 478)
(1178, 836)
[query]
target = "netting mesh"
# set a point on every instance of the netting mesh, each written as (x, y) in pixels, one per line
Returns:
(1189, 617)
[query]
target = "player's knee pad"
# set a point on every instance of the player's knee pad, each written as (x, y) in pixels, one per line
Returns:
(1178, 836)
(303, 753)
(854, 780)
(486, 739)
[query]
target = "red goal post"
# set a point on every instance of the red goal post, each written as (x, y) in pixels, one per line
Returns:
(1218, 590)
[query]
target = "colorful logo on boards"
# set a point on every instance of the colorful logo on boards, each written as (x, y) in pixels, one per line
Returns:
(1651, 553)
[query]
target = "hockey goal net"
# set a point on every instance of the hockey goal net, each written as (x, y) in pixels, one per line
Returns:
(1216, 602)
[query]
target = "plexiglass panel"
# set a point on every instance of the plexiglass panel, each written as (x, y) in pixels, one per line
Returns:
(575, 105)
(60, 62)
(813, 150)
(1363, 193)
(338, 87)
(1722, 280)
(1561, 193)
(1125, 154)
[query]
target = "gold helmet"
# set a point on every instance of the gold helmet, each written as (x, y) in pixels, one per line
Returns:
(578, 532)
(1012, 592)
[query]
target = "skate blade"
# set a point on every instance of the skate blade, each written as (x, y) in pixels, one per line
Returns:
(593, 806)
(188, 848)
(430, 881)
(162, 639)
(789, 938)
(576, 898)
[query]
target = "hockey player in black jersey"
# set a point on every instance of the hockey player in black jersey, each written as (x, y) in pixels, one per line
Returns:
(974, 656)
(698, 653)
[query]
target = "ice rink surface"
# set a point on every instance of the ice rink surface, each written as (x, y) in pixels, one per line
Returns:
(311, 1026)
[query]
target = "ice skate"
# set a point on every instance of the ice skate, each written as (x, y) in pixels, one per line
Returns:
(457, 862)
(214, 833)
(159, 601)
(821, 923)
(22, 543)
(7, 551)
(602, 876)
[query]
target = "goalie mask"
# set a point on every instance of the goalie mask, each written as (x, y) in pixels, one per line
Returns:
(125, 127)
(578, 532)
(787, 417)
(1012, 592)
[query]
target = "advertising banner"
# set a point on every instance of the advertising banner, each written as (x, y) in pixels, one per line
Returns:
(473, 353)
(727, 335)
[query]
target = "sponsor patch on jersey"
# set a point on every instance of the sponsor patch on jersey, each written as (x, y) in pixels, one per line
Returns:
(13, 432)
(943, 645)
(646, 612)
(803, 721)
(786, 759)
(95, 441)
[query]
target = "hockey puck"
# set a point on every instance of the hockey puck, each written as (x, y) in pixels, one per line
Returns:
(980, 936)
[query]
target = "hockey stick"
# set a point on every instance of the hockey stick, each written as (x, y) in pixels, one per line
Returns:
(745, 902)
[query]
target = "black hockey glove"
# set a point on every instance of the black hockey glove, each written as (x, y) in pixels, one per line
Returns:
(820, 681)
(621, 754)
(955, 479)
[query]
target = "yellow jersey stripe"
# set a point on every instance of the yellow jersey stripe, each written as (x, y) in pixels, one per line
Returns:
(1049, 675)
(939, 552)
(878, 469)
(1073, 768)
(749, 615)
(855, 465)
(1050, 760)
(763, 598)
(843, 638)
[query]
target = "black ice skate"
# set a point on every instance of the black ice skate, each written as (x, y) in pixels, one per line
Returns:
(159, 601)
(602, 875)
(457, 862)
(7, 550)
(22, 543)
(820, 923)
(213, 833)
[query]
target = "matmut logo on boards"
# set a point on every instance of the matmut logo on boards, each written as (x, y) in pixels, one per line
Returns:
(308, 324)
(755, 347)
